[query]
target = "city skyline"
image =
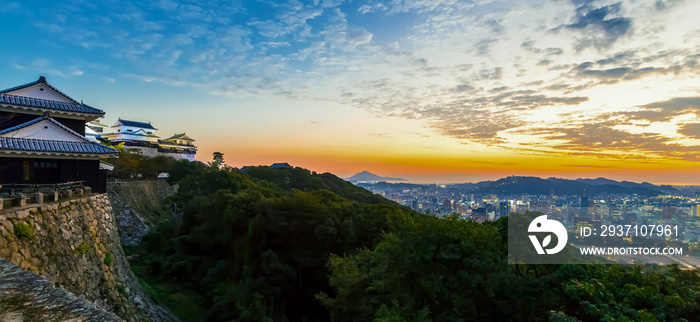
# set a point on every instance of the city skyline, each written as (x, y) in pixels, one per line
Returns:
(441, 91)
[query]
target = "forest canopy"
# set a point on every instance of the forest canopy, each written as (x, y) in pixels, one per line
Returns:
(290, 244)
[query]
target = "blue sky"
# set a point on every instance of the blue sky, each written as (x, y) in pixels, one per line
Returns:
(400, 87)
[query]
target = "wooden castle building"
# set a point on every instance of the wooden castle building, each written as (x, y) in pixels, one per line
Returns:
(42, 138)
(142, 136)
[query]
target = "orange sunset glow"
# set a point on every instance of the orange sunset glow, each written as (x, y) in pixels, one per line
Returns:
(430, 91)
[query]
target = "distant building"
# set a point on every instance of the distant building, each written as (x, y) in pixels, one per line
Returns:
(584, 202)
(447, 203)
(281, 166)
(480, 214)
(667, 212)
(94, 130)
(579, 223)
(142, 136)
(133, 133)
(503, 209)
(43, 139)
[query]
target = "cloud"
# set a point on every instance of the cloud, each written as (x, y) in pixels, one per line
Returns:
(11, 7)
(482, 47)
(601, 26)
(495, 26)
(471, 70)
(484, 74)
(666, 4)
(611, 134)
(691, 130)
(664, 110)
(371, 8)
(688, 64)
(613, 27)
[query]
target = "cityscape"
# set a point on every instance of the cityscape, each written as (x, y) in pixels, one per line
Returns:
(676, 205)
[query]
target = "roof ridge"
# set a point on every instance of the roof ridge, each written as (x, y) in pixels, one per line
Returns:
(41, 80)
(135, 124)
(48, 104)
(42, 118)
(54, 146)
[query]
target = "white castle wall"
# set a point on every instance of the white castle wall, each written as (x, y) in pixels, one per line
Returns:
(153, 152)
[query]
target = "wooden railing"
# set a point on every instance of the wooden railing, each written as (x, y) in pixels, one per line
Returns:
(65, 189)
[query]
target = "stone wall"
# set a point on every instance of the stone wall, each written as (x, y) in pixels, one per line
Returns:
(29, 297)
(75, 245)
(153, 152)
(137, 207)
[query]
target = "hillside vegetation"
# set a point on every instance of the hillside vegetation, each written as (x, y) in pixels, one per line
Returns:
(276, 245)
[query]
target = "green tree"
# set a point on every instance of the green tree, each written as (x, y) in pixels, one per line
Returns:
(271, 244)
(218, 159)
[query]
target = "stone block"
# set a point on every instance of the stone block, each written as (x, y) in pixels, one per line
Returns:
(38, 197)
(53, 196)
(79, 191)
(2, 202)
(20, 200)
(16, 258)
(88, 190)
(21, 214)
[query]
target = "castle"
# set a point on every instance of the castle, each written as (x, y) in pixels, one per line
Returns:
(48, 140)
(141, 137)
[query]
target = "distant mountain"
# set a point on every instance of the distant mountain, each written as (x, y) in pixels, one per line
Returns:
(366, 176)
(538, 186)
(533, 185)
(387, 185)
(628, 184)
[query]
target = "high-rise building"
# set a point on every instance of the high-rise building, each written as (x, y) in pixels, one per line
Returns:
(583, 202)
(695, 211)
(503, 209)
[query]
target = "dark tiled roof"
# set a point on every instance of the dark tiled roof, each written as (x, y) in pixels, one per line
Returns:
(191, 147)
(36, 145)
(23, 125)
(280, 165)
(142, 125)
(137, 133)
(41, 80)
(37, 120)
(181, 136)
(48, 104)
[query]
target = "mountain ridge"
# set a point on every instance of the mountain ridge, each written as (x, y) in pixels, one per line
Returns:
(366, 176)
(513, 185)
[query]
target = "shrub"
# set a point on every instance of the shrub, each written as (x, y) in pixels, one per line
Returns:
(24, 230)
(82, 249)
(108, 259)
(150, 291)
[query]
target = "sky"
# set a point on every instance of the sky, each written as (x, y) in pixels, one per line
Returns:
(428, 90)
